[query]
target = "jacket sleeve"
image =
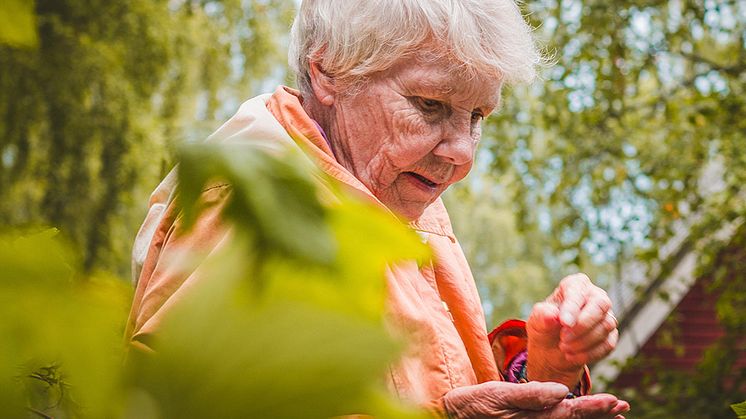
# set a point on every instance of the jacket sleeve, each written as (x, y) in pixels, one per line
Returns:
(173, 262)
(509, 341)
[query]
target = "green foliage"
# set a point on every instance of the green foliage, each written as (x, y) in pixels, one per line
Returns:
(275, 328)
(61, 332)
(263, 188)
(740, 409)
(634, 128)
(17, 25)
(89, 118)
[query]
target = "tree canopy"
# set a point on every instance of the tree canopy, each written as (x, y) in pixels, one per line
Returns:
(633, 133)
(92, 106)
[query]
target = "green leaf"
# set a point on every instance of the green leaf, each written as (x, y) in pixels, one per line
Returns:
(225, 351)
(313, 342)
(280, 360)
(18, 23)
(273, 197)
(27, 259)
(740, 409)
(368, 241)
(61, 351)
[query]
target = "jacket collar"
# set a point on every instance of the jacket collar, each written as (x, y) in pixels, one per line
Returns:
(285, 105)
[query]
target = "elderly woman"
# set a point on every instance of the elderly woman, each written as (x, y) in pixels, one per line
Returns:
(392, 95)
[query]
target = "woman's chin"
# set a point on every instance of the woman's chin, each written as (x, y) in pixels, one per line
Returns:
(408, 197)
(409, 211)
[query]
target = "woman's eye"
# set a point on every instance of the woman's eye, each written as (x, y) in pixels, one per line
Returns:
(429, 106)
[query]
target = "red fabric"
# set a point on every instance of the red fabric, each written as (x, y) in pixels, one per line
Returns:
(510, 339)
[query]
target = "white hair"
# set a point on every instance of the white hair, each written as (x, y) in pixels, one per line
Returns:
(352, 39)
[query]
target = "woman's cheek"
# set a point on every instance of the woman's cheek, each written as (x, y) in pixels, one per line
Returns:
(414, 136)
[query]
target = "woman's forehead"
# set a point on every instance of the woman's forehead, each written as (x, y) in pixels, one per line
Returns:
(446, 82)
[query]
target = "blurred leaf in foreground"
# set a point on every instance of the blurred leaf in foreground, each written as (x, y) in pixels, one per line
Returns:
(61, 351)
(309, 341)
(18, 23)
(273, 198)
(740, 409)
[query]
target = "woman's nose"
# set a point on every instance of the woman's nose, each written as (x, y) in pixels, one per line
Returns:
(457, 144)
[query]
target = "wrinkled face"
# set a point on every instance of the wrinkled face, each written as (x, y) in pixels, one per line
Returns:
(412, 131)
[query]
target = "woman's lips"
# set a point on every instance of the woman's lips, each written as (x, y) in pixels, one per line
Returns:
(421, 181)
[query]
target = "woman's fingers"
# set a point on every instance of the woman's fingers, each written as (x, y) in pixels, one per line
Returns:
(534, 400)
(597, 406)
(534, 395)
(594, 354)
(544, 320)
(592, 337)
(499, 399)
(574, 326)
(621, 407)
(587, 322)
(571, 297)
(581, 304)
(597, 305)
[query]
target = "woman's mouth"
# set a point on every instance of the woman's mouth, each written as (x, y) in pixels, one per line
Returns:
(419, 178)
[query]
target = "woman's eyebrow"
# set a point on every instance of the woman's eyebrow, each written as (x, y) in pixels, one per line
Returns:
(483, 108)
(438, 88)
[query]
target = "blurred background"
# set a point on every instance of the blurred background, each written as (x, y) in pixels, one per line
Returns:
(626, 160)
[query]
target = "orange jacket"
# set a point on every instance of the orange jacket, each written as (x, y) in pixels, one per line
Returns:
(436, 305)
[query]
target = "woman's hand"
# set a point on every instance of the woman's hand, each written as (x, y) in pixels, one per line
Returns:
(534, 400)
(573, 327)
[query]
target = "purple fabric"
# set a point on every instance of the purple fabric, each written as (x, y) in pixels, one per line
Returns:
(323, 134)
(514, 368)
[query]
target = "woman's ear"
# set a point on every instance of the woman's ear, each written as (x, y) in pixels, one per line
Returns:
(322, 85)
